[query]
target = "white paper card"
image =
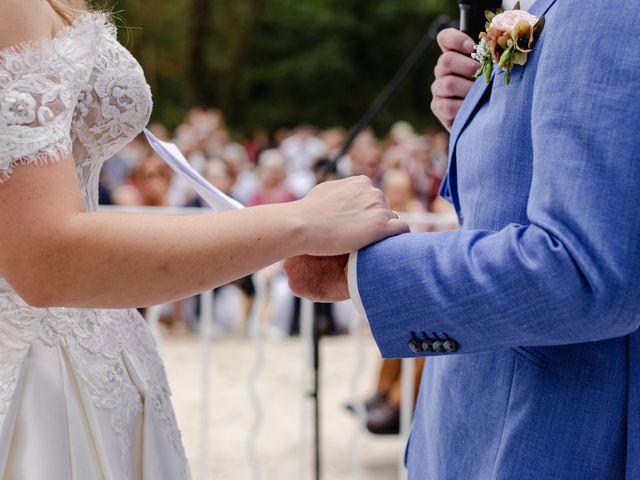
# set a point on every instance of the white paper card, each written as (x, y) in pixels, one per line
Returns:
(215, 198)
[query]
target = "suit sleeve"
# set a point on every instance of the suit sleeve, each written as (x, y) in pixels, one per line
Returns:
(573, 274)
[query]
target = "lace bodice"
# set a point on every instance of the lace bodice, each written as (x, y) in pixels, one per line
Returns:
(81, 93)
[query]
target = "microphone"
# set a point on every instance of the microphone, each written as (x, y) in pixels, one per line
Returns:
(472, 19)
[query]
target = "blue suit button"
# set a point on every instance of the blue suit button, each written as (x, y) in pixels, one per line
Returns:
(427, 345)
(451, 346)
(437, 346)
(415, 346)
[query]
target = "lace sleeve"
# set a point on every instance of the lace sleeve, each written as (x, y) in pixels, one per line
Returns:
(39, 87)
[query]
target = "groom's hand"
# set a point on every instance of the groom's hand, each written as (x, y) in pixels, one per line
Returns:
(320, 279)
(454, 75)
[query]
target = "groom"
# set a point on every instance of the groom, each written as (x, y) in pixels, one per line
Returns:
(531, 309)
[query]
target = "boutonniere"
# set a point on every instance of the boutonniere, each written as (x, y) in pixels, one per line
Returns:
(507, 42)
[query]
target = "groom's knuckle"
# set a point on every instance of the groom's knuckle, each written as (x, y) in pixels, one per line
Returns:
(449, 84)
(450, 109)
(444, 38)
(434, 88)
(438, 103)
(447, 60)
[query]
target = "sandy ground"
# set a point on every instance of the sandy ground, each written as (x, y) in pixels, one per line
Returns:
(279, 387)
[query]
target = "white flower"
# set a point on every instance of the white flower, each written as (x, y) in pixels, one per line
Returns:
(509, 19)
(483, 51)
(18, 108)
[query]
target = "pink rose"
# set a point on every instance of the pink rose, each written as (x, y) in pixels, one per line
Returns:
(508, 20)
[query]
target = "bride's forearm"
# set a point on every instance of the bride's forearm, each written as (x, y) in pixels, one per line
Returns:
(115, 260)
(55, 254)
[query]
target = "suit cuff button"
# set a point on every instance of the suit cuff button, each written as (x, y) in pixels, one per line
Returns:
(437, 346)
(427, 345)
(415, 346)
(451, 346)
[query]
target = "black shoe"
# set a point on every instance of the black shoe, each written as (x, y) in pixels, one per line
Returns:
(384, 420)
(377, 399)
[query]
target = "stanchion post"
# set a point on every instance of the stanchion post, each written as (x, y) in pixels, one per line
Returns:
(406, 407)
(255, 332)
(306, 335)
(355, 329)
(206, 331)
(153, 319)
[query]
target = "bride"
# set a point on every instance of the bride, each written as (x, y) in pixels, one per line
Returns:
(83, 392)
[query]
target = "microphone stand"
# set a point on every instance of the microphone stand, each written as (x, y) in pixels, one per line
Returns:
(389, 91)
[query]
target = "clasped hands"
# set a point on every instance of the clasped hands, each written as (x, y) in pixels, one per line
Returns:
(320, 279)
(324, 279)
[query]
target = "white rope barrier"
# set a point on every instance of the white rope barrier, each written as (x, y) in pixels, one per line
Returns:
(406, 407)
(206, 331)
(413, 219)
(156, 210)
(355, 330)
(152, 316)
(429, 219)
(255, 332)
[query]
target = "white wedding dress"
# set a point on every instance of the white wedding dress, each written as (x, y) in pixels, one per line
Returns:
(83, 393)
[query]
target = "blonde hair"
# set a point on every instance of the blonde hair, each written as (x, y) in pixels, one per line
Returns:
(69, 9)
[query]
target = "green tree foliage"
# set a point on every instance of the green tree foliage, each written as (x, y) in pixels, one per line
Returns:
(275, 63)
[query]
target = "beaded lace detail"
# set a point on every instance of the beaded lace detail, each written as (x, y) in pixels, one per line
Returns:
(80, 94)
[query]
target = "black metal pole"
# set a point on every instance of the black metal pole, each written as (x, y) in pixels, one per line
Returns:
(427, 42)
(316, 395)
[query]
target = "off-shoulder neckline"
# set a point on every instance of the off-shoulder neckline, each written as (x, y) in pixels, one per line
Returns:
(62, 33)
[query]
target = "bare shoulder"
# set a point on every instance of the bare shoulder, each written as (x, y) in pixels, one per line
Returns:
(24, 20)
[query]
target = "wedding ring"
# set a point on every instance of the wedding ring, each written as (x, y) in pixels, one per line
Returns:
(395, 214)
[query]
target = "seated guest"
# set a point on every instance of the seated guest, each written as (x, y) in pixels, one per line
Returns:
(148, 184)
(396, 185)
(383, 408)
(272, 173)
(221, 175)
(367, 160)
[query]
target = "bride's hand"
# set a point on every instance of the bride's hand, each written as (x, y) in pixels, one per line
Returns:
(346, 215)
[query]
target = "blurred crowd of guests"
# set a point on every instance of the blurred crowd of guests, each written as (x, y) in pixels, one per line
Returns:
(267, 169)
(278, 167)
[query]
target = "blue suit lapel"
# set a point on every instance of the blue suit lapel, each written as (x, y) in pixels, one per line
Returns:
(448, 188)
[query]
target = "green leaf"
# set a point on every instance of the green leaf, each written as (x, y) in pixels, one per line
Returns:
(507, 77)
(489, 15)
(478, 72)
(519, 58)
(538, 27)
(499, 11)
(488, 68)
(517, 6)
(505, 58)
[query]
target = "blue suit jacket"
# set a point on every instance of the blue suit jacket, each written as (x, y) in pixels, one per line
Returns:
(540, 290)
